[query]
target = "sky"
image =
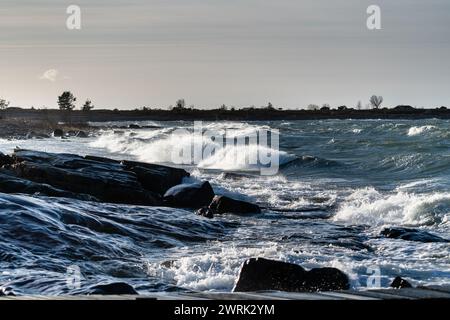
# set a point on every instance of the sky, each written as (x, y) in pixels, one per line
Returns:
(134, 53)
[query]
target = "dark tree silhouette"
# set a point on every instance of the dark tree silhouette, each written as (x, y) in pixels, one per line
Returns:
(87, 106)
(3, 104)
(376, 101)
(180, 104)
(66, 101)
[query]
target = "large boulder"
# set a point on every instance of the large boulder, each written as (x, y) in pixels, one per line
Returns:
(411, 235)
(189, 195)
(259, 274)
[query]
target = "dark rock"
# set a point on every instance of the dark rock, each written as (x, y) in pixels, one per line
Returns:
(101, 159)
(6, 291)
(5, 159)
(11, 184)
(205, 212)
(411, 235)
(107, 182)
(96, 178)
(259, 274)
(58, 133)
(168, 263)
(156, 178)
(223, 204)
(400, 283)
(235, 176)
(134, 126)
(82, 134)
(195, 195)
(113, 288)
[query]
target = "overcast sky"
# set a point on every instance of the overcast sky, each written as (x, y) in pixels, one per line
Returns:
(131, 53)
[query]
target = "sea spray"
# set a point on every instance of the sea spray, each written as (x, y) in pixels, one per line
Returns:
(251, 149)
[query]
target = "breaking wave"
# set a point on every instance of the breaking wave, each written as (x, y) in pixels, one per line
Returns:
(414, 131)
(165, 146)
(368, 206)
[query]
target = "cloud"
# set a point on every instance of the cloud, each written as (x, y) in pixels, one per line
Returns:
(50, 75)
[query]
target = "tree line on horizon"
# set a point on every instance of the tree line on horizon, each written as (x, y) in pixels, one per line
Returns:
(66, 102)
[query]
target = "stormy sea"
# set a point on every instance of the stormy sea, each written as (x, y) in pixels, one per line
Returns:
(340, 185)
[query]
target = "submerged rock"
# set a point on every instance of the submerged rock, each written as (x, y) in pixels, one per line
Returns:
(223, 204)
(194, 195)
(411, 235)
(400, 283)
(113, 288)
(262, 274)
(205, 212)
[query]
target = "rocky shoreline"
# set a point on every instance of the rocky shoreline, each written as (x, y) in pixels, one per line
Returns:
(98, 179)
(13, 129)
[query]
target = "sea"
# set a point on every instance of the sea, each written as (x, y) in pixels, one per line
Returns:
(339, 184)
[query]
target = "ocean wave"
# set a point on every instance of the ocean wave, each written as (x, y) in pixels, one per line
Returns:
(164, 146)
(370, 207)
(414, 131)
(215, 271)
(308, 162)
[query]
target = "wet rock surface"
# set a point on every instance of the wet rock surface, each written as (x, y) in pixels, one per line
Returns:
(87, 178)
(113, 289)
(411, 235)
(224, 204)
(189, 195)
(400, 283)
(262, 274)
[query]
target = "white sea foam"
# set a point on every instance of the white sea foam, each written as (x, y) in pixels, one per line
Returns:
(369, 207)
(414, 131)
(210, 270)
(160, 145)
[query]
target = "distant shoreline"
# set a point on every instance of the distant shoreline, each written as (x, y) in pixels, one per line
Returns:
(78, 116)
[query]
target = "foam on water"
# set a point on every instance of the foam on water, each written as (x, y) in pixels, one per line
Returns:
(414, 131)
(373, 175)
(163, 146)
(368, 206)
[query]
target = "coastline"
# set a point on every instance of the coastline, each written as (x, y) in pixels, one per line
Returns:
(78, 116)
(17, 123)
(44, 181)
